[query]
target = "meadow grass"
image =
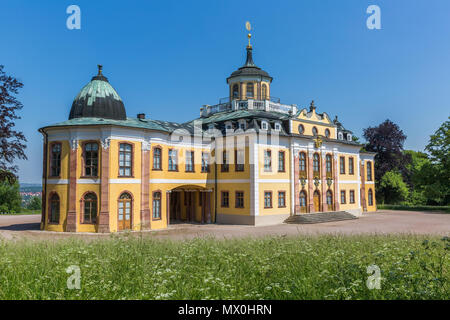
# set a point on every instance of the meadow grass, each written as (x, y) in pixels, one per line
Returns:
(315, 267)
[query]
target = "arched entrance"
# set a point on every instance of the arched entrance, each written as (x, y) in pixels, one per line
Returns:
(303, 202)
(316, 201)
(189, 204)
(124, 214)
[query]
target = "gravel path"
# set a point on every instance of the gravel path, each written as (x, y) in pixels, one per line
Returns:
(381, 222)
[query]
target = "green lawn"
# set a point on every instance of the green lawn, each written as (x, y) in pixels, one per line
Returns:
(24, 211)
(442, 209)
(322, 267)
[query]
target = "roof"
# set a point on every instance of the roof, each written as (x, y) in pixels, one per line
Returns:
(158, 125)
(249, 68)
(98, 99)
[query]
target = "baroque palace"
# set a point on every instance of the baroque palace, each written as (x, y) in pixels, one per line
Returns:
(247, 160)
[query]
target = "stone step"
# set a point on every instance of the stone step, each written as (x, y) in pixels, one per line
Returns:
(320, 217)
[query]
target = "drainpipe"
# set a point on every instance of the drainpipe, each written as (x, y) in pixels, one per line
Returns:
(44, 172)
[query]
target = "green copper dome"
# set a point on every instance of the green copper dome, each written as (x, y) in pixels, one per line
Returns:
(98, 99)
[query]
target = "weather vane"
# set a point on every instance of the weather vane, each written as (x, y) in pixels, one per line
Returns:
(248, 26)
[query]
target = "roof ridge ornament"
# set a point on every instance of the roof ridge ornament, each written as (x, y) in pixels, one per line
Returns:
(248, 26)
(312, 107)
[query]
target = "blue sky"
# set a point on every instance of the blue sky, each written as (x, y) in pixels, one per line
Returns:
(168, 58)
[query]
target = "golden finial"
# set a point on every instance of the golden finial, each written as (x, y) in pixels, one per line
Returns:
(248, 26)
(100, 67)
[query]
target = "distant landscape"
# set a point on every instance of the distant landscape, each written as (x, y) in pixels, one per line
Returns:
(28, 191)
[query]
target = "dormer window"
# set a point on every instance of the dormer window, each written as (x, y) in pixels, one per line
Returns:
(341, 136)
(264, 125)
(277, 127)
(349, 137)
(242, 125)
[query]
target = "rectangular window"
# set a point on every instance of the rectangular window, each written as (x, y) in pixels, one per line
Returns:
(342, 165)
(173, 160)
(157, 159)
(239, 158)
(268, 199)
(55, 163)
(189, 161)
(156, 205)
(352, 196)
(225, 166)
(281, 162)
(369, 171)
(125, 160)
(267, 160)
(239, 199)
(351, 166)
(343, 197)
(225, 201)
(281, 199)
(205, 162)
(91, 160)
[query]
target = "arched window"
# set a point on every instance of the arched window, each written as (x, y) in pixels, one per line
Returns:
(327, 133)
(329, 199)
(157, 159)
(250, 90)
(264, 92)
(302, 162)
(91, 159)
(329, 164)
(90, 208)
(314, 131)
(369, 171)
(340, 136)
(316, 164)
(303, 199)
(156, 205)
(125, 160)
(301, 129)
(235, 91)
(370, 197)
(53, 216)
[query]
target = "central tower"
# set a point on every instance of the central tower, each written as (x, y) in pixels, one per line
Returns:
(249, 81)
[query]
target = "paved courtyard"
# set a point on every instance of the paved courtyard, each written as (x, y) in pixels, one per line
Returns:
(381, 222)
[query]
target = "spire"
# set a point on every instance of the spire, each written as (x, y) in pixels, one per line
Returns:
(249, 62)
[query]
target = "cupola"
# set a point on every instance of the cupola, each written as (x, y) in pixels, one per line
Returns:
(249, 81)
(98, 99)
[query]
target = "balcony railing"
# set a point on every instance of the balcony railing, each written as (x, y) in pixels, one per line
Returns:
(272, 104)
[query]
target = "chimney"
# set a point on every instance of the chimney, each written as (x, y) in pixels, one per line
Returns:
(141, 116)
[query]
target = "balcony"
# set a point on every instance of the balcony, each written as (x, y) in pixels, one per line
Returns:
(272, 104)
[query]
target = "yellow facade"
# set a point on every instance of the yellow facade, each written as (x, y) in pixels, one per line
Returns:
(113, 173)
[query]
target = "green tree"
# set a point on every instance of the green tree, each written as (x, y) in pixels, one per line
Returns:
(393, 189)
(35, 203)
(437, 173)
(10, 199)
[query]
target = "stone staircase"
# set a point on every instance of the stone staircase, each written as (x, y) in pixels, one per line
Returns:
(319, 217)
